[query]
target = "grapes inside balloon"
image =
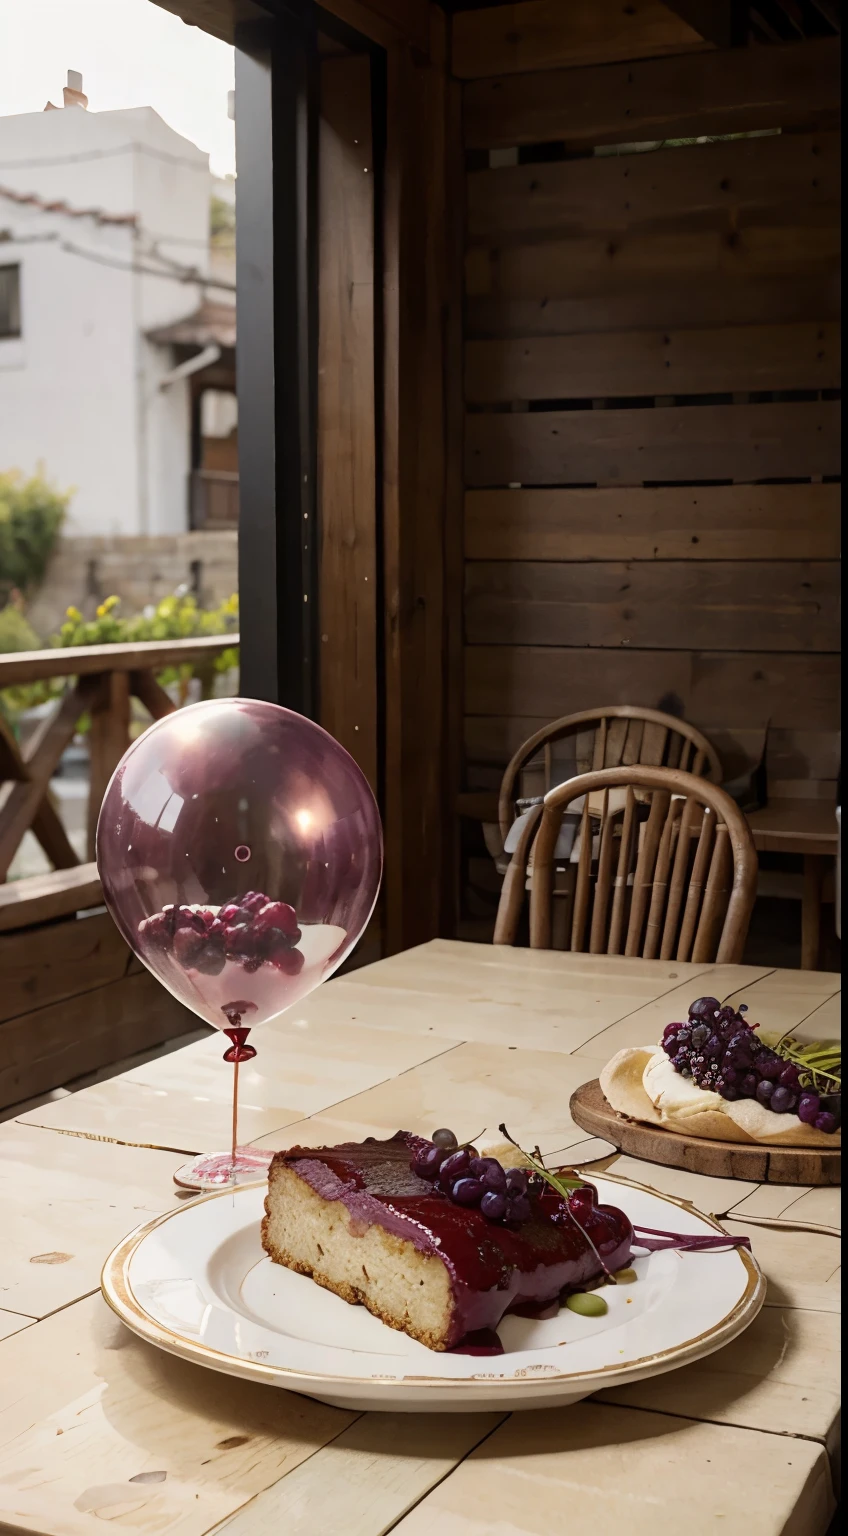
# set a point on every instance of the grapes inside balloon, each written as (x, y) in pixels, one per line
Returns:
(240, 852)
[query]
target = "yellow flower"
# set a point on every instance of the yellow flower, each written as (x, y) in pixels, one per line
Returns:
(73, 613)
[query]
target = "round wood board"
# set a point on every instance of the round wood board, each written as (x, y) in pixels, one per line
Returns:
(721, 1159)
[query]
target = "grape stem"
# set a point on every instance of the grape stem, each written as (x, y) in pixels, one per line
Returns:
(563, 1186)
(820, 1061)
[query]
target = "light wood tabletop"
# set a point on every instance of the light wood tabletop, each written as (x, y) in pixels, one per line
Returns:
(98, 1426)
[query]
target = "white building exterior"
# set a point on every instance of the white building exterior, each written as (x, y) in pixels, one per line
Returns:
(95, 210)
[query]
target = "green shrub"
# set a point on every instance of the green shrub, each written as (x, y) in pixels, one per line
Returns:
(31, 516)
(177, 617)
(16, 632)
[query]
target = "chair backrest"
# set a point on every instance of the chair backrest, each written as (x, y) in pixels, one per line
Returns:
(674, 876)
(618, 734)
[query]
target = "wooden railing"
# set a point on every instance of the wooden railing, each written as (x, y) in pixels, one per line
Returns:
(104, 679)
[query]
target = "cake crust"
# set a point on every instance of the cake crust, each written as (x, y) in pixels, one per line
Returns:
(361, 1224)
(300, 1232)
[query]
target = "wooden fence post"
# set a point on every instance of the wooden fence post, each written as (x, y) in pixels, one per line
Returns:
(110, 737)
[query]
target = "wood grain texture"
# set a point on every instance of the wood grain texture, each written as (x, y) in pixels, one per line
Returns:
(109, 737)
(40, 898)
(50, 1046)
(713, 689)
(542, 34)
(716, 300)
(797, 757)
(75, 955)
(145, 687)
(710, 522)
(634, 1470)
(367, 1479)
(528, 1090)
(181, 1099)
(716, 1159)
(686, 362)
(702, 275)
(346, 413)
(727, 605)
(454, 319)
(417, 291)
(747, 1384)
(89, 1408)
(125, 1411)
(682, 97)
(616, 192)
(85, 660)
(387, 21)
(708, 442)
(68, 1201)
(24, 798)
(795, 826)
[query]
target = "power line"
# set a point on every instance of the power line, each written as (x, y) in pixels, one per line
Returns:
(178, 275)
(106, 154)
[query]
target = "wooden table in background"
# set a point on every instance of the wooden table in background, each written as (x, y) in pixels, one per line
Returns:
(98, 1426)
(807, 827)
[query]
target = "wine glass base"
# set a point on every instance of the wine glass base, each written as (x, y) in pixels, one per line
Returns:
(216, 1170)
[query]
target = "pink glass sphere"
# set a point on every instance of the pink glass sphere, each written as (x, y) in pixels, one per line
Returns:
(240, 852)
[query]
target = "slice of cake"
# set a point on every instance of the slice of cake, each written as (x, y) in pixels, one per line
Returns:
(389, 1224)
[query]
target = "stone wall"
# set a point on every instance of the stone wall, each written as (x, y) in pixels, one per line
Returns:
(83, 571)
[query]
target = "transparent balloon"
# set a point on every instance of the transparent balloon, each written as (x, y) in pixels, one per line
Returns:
(240, 853)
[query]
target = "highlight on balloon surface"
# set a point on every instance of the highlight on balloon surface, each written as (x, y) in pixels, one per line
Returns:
(240, 852)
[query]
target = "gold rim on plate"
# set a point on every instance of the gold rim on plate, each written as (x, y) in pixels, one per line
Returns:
(117, 1291)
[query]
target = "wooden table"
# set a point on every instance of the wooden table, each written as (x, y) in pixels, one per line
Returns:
(99, 1427)
(807, 827)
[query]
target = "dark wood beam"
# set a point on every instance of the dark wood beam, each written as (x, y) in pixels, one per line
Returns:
(382, 21)
(711, 19)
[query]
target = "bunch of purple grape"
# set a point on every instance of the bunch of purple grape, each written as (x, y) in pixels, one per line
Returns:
(720, 1051)
(500, 1194)
(248, 930)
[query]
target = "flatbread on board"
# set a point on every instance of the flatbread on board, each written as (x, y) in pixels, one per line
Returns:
(641, 1082)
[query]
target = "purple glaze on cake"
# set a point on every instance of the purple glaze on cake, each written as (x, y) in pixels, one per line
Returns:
(494, 1269)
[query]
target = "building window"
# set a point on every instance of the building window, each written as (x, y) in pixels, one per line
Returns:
(10, 302)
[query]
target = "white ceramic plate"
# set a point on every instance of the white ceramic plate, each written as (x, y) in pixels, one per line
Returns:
(197, 1283)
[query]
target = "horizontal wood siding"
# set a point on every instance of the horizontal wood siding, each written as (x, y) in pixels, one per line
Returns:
(617, 192)
(737, 357)
(707, 522)
(689, 442)
(795, 692)
(706, 93)
(725, 605)
(652, 443)
(542, 34)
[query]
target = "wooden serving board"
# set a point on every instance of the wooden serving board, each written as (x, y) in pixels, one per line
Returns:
(721, 1159)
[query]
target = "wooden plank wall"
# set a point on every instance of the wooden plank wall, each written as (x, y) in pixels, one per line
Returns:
(651, 389)
(75, 999)
(347, 475)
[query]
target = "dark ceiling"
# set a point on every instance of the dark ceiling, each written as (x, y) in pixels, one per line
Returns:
(754, 21)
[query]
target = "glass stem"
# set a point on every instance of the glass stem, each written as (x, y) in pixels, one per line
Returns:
(235, 1107)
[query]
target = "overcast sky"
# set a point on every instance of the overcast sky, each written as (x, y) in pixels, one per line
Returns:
(130, 53)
